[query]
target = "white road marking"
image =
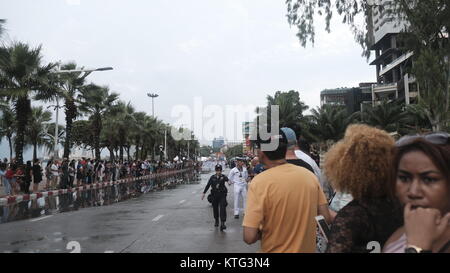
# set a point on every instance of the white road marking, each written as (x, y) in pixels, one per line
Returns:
(41, 218)
(194, 192)
(109, 251)
(158, 217)
(182, 201)
(58, 240)
(57, 233)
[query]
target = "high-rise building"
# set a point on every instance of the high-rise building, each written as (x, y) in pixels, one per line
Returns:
(393, 82)
(218, 143)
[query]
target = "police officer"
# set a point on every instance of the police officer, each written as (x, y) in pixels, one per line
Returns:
(219, 196)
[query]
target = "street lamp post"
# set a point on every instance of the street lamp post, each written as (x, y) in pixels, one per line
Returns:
(153, 96)
(87, 72)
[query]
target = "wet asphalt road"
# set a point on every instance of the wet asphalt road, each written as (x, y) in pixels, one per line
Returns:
(174, 220)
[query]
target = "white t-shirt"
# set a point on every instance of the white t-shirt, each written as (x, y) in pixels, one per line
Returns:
(54, 169)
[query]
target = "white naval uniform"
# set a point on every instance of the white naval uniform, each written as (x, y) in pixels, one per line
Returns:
(239, 179)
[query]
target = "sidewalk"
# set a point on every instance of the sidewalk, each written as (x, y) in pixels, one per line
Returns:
(40, 188)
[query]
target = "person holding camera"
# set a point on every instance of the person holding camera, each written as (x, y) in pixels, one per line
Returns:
(218, 196)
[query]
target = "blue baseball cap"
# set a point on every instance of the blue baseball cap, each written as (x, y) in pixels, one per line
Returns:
(291, 137)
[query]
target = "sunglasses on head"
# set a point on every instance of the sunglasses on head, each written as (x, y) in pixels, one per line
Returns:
(440, 138)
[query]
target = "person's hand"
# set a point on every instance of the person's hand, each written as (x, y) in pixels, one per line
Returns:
(203, 196)
(423, 226)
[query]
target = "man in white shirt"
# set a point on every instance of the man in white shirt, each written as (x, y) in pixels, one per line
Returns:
(239, 177)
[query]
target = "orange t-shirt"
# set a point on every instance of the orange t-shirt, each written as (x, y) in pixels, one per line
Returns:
(283, 202)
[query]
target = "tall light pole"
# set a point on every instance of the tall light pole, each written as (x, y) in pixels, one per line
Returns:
(87, 72)
(153, 96)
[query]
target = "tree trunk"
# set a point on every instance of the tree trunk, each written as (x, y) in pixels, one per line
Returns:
(138, 140)
(70, 112)
(111, 153)
(23, 109)
(34, 151)
(121, 153)
(97, 131)
(128, 154)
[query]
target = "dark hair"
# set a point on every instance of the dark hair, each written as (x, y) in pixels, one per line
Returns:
(279, 152)
(304, 145)
(439, 155)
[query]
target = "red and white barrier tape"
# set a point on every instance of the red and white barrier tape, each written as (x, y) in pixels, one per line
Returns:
(27, 197)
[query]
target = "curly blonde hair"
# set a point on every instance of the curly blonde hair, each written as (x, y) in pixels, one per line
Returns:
(361, 163)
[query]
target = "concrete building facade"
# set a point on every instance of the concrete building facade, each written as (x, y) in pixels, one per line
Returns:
(391, 62)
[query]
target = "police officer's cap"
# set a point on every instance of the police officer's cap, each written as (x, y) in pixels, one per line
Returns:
(218, 167)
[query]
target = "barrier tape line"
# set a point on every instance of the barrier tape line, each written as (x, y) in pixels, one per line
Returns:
(27, 197)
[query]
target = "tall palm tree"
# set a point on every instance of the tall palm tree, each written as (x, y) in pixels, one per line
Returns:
(7, 127)
(36, 129)
(21, 75)
(68, 85)
(139, 127)
(95, 101)
(125, 121)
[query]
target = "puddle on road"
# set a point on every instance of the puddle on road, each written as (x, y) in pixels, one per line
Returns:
(74, 201)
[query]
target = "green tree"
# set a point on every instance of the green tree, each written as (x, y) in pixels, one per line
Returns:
(95, 101)
(69, 85)
(123, 121)
(329, 122)
(21, 75)
(234, 151)
(290, 109)
(205, 151)
(36, 129)
(389, 116)
(82, 135)
(426, 34)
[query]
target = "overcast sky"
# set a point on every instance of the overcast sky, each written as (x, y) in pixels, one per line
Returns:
(223, 51)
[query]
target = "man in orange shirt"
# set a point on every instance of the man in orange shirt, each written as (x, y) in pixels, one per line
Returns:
(282, 203)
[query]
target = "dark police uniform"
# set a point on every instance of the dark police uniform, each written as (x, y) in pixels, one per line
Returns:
(219, 197)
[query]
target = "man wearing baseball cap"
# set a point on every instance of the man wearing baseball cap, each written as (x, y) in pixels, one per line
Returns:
(282, 202)
(291, 157)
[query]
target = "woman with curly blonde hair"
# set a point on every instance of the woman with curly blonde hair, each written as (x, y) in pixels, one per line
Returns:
(361, 165)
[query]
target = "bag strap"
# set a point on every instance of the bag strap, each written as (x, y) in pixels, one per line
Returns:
(444, 248)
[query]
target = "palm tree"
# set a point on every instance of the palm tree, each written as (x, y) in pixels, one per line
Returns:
(136, 134)
(21, 74)
(2, 29)
(329, 122)
(125, 121)
(69, 85)
(7, 127)
(388, 116)
(95, 101)
(36, 129)
(291, 108)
